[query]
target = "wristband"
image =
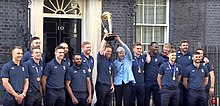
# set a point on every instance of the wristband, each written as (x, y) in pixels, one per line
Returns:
(23, 94)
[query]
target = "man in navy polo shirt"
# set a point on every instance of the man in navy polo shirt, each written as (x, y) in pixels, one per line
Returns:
(14, 77)
(35, 41)
(53, 79)
(104, 84)
(184, 58)
(35, 70)
(211, 82)
(195, 80)
(88, 60)
(66, 55)
(166, 49)
(168, 80)
(77, 83)
(151, 72)
(138, 62)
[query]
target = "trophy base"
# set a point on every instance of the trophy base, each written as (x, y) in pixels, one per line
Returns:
(110, 37)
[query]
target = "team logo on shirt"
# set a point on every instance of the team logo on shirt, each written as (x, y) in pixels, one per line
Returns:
(202, 70)
(177, 69)
(33, 66)
(203, 64)
(55, 67)
(22, 68)
(142, 60)
(84, 71)
(75, 72)
(189, 57)
(178, 56)
(64, 68)
(91, 61)
(155, 60)
(84, 60)
(193, 70)
(12, 68)
(133, 60)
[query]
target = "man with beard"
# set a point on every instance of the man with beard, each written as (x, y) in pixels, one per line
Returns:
(35, 70)
(138, 62)
(166, 49)
(168, 80)
(104, 85)
(53, 79)
(88, 61)
(151, 72)
(14, 77)
(66, 55)
(211, 81)
(35, 41)
(184, 58)
(77, 83)
(195, 80)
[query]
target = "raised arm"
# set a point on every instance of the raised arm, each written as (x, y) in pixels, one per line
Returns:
(127, 50)
(103, 43)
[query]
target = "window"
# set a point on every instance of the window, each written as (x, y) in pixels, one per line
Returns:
(152, 19)
(61, 7)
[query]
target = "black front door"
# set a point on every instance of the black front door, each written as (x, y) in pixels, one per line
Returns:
(58, 30)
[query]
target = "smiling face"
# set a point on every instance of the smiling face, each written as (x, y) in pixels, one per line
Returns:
(108, 52)
(66, 47)
(36, 53)
(17, 54)
(87, 49)
(77, 60)
(137, 50)
(59, 54)
(196, 58)
(184, 47)
(154, 48)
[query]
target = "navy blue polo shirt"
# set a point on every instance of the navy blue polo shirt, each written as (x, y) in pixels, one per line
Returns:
(196, 76)
(68, 61)
(104, 69)
(165, 58)
(88, 63)
(16, 75)
(184, 61)
(34, 71)
(210, 68)
(78, 77)
(136, 64)
(27, 56)
(55, 73)
(152, 68)
(167, 71)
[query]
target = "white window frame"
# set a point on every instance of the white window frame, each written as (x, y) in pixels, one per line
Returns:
(142, 24)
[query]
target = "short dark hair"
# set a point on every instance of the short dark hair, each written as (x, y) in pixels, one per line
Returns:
(34, 38)
(16, 47)
(183, 41)
(195, 53)
(73, 55)
(152, 43)
(35, 47)
(59, 47)
(172, 50)
(200, 49)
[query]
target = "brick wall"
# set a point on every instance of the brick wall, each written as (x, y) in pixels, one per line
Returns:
(187, 21)
(122, 18)
(13, 26)
(212, 25)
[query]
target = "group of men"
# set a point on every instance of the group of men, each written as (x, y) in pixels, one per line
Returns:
(174, 78)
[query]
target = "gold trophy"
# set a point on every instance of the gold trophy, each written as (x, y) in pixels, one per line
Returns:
(107, 16)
